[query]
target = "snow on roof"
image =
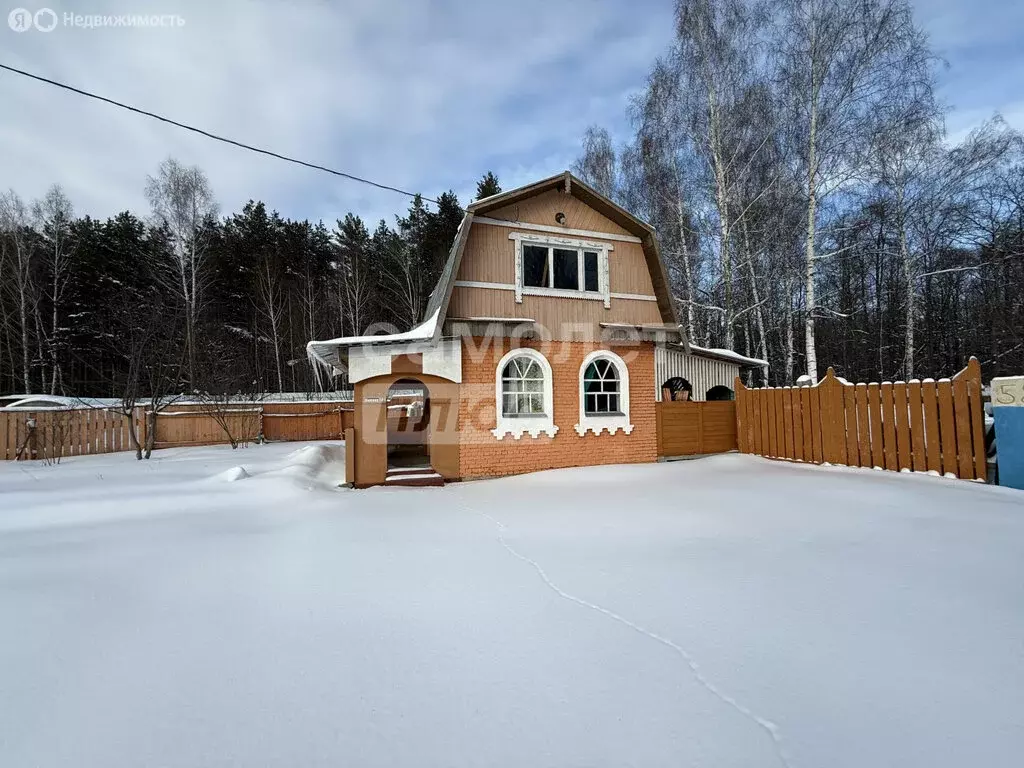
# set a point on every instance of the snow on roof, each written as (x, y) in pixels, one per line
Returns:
(728, 355)
(327, 353)
(421, 332)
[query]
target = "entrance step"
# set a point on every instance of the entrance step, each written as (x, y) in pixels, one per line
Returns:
(413, 477)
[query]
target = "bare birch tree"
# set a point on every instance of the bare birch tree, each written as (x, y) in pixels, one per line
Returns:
(838, 62)
(269, 302)
(53, 215)
(19, 253)
(597, 164)
(183, 202)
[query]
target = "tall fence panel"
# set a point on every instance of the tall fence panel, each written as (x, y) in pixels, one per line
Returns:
(53, 434)
(687, 428)
(935, 426)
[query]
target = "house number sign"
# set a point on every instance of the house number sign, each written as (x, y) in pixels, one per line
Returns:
(1008, 390)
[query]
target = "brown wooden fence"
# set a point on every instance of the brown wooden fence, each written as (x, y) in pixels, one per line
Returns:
(916, 425)
(194, 425)
(53, 434)
(693, 429)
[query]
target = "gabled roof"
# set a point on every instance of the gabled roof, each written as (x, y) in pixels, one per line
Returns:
(586, 194)
(328, 353)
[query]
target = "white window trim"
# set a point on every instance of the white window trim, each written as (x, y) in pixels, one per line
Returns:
(610, 423)
(603, 292)
(517, 426)
(574, 294)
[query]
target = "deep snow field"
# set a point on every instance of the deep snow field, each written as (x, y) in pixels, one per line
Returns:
(723, 612)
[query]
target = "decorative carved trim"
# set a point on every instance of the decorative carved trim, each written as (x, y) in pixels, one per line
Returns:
(593, 426)
(507, 427)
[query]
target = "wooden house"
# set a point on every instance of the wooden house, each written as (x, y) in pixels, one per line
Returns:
(548, 341)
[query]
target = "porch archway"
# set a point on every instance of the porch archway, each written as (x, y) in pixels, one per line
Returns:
(408, 425)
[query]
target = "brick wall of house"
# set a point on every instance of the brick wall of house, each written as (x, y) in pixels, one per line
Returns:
(483, 455)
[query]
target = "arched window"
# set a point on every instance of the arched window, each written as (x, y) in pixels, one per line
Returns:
(601, 388)
(522, 387)
(523, 401)
(604, 394)
(721, 392)
(676, 388)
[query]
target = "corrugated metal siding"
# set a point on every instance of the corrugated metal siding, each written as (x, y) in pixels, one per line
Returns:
(703, 373)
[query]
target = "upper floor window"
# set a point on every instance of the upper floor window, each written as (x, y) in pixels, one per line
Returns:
(567, 269)
(556, 266)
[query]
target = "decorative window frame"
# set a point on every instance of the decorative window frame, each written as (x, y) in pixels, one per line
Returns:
(603, 292)
(612, 423)
(517, 426)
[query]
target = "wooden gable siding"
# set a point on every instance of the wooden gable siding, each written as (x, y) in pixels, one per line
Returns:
(627, 271)
(555, 314)
(542, 209)
(490, 258)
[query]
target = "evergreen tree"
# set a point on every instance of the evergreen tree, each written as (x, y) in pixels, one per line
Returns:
(487, 186)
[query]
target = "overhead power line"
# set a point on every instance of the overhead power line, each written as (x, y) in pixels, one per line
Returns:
(213, 136)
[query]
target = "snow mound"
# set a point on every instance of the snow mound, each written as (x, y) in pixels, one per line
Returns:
(233, 474)
(307, 467)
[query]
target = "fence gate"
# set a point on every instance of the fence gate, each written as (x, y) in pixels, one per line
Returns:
(687, 428)
(920, 426)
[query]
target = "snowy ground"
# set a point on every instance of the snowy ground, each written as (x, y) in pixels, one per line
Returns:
(723, 612)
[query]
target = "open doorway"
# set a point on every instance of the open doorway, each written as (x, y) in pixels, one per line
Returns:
(408, 419)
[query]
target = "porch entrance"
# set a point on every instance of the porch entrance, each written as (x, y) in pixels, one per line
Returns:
(405, 430)
(408, 426)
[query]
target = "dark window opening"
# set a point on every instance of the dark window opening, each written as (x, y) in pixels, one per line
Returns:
(720, 393)
(590, 281)
(566, 269)
(535, 266)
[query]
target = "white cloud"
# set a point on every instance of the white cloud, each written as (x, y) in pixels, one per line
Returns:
(421, 95)
(424, 96)
(980, 42)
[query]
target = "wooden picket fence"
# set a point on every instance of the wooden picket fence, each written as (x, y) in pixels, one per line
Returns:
(934, 426)
(54, 434)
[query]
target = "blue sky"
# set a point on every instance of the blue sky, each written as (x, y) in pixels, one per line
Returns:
(424, 96)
